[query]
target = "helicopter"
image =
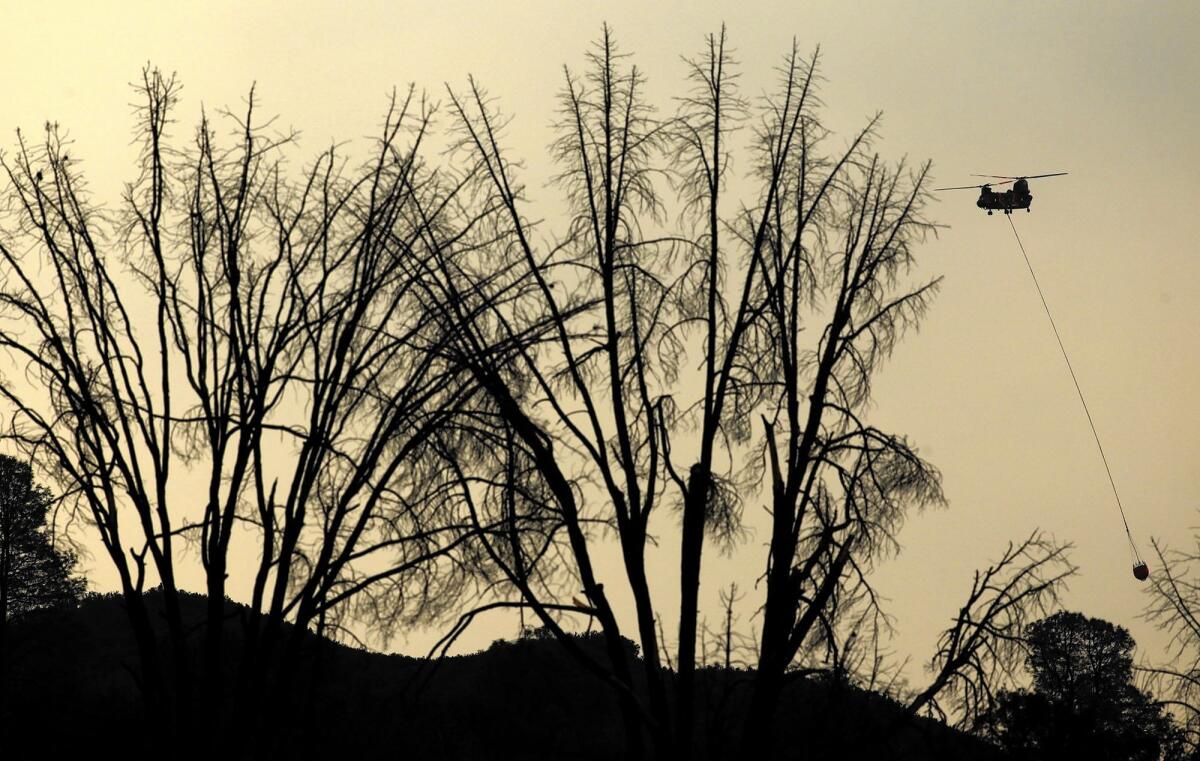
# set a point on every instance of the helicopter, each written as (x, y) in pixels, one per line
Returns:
(1016, 197)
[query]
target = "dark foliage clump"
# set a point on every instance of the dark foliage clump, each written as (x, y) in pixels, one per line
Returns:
(1083, 702)
(34, 572)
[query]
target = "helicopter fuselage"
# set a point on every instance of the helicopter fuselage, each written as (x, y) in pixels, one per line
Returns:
(1016, 197)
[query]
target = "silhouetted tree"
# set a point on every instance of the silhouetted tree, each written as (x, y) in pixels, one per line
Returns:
(630, 361)
(1083, 702)
(604, 298)
(981, 651)
(34, 572)
(239, 356)
(1175, 607)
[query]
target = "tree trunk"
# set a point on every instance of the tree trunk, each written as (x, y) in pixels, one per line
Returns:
(758, 729)
(213, 692)
(691, 548)
(3, 626)
(636, 571)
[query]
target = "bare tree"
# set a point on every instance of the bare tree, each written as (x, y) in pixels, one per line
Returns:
(624, 302)
(836, 231)
(728, 600)
(983, 649)
(256, 331)
(840, 487)
(602, 295)
(1175, 608)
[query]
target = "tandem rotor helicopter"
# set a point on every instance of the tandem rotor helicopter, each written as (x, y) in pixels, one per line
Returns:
(1016, 197)
(1019, 197)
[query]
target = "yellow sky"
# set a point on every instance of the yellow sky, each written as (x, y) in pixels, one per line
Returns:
(1105, 91)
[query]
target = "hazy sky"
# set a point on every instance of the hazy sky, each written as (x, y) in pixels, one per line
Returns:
(1105, 91)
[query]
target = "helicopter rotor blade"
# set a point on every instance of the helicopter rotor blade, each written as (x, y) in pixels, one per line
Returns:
(1023, 177)
(976, 187)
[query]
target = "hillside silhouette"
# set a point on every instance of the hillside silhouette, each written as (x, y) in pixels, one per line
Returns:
(73, 677)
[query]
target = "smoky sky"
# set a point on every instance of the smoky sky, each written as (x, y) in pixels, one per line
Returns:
(1105, 91)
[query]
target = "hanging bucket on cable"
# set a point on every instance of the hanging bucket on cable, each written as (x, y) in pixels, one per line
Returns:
(1140, 571)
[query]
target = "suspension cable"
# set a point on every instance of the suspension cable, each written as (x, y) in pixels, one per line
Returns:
(1078, 390)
